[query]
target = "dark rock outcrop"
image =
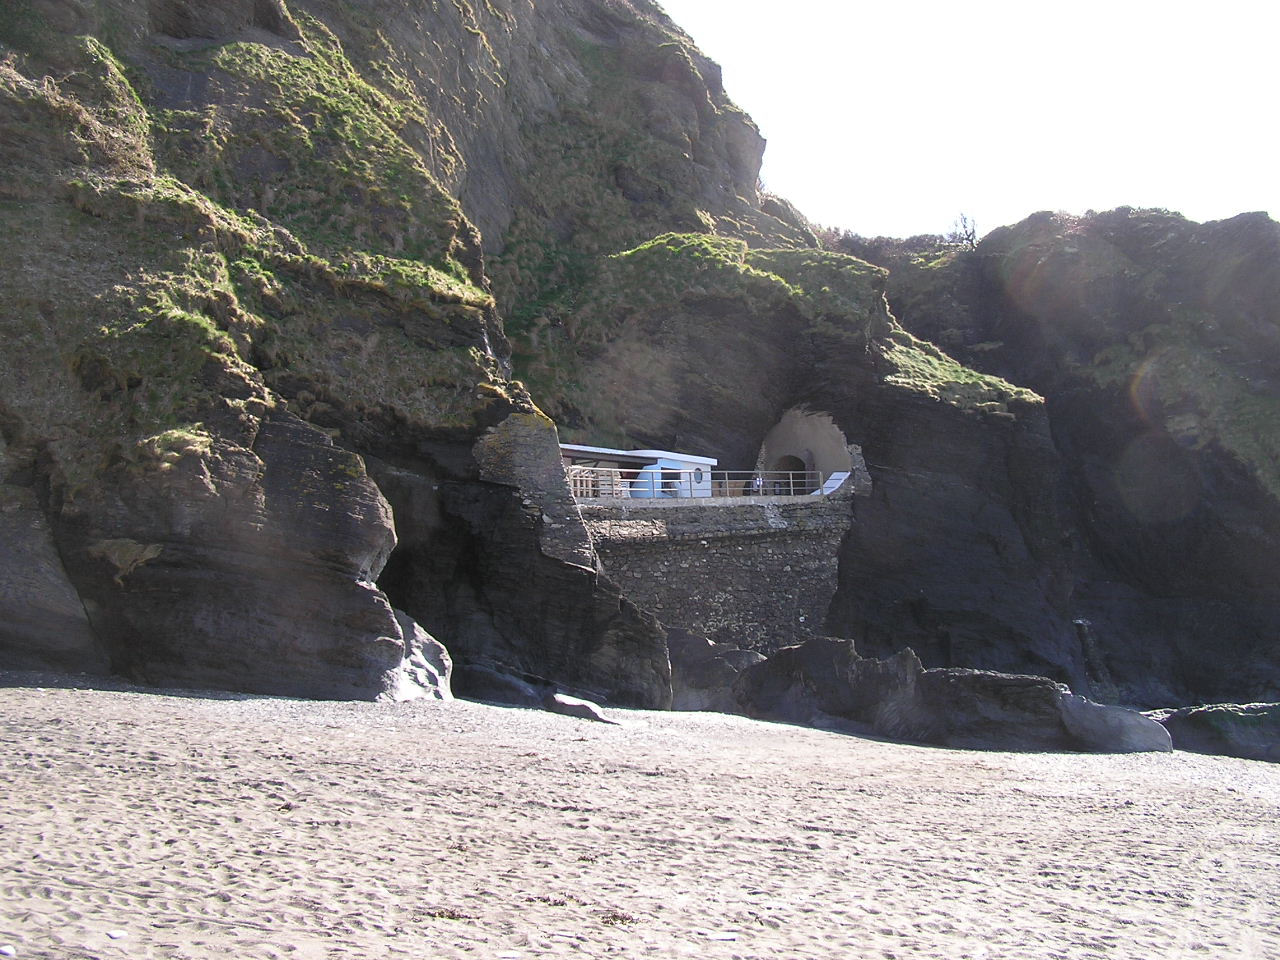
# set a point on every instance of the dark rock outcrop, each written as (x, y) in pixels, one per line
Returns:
(703, 673)
(276, 545)
(1156, 343)
(959, 552)
(1250, 730)
(42, 621)
(207, 334)
(825, 683)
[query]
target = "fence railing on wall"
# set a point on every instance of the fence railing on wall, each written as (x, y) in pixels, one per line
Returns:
(591, 483)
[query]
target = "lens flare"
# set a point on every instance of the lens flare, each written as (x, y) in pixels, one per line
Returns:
(1156, 480)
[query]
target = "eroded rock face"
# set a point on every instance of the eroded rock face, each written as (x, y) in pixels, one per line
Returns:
(704, 674)
(825, 680)
(503, 567)
(1154, 341)
(42, 621)
(244, 568)
(428, 669)
(209, 330)
(958, 552)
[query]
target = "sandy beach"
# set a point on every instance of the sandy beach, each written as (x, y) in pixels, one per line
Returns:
(178, 825)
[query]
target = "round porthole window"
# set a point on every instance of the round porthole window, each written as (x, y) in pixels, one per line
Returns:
(697, 475)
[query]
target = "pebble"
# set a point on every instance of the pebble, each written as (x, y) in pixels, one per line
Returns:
(8, 950)
(117, 934)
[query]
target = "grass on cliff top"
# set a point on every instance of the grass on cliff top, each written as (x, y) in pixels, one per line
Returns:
(655, 292)
(671, 274)
(922, 368)
(308, 141)
(138, 307)
(675, 267)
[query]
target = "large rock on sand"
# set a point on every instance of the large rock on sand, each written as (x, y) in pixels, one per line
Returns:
(980, 709)
(1113, 729)
(703, 673)
(825, 683)
(242, 569)
(814, 682)
(1249, 730)
(568, 706)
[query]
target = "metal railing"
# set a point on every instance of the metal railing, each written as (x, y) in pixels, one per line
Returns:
(590, 483)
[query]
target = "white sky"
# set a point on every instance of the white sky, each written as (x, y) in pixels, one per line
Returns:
(891, 117)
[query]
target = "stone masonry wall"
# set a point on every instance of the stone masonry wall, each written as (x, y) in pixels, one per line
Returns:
(755, 572)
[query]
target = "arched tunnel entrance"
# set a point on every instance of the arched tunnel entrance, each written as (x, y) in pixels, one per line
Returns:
(792, 476)
(803, 450)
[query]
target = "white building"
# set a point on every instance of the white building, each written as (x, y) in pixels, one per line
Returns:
(642, 474)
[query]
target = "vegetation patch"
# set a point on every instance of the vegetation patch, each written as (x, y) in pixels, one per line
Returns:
(155, 308)
(922, 368)
(1196, 394)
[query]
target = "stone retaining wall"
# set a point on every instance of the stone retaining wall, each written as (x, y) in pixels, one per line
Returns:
(756, 572)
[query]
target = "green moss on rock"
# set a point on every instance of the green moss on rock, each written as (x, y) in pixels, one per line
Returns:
(920, 367)
(152, 313)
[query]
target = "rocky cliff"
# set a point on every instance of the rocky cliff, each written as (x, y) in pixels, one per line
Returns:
(246, 281)
(702, 343)
(297, 293)
(1156, 343)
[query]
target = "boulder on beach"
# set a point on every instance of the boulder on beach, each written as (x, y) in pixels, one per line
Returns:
(428, 668)
(824, 682)
(1113, 729)
(1248, 730)
(568, 706)
(985, 710)
(703, 672)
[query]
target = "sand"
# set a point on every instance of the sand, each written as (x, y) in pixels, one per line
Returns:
(163, 824)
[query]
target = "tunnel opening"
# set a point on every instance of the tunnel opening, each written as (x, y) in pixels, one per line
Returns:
(803, 451)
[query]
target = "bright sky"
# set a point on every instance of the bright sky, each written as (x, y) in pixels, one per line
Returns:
(891, 117)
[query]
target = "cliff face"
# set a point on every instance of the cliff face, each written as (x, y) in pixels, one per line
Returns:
(699, 343)
(244, 280)
(286, 280)
(1155, 342)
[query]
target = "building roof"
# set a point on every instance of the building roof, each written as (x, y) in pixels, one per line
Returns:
(648, 455)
